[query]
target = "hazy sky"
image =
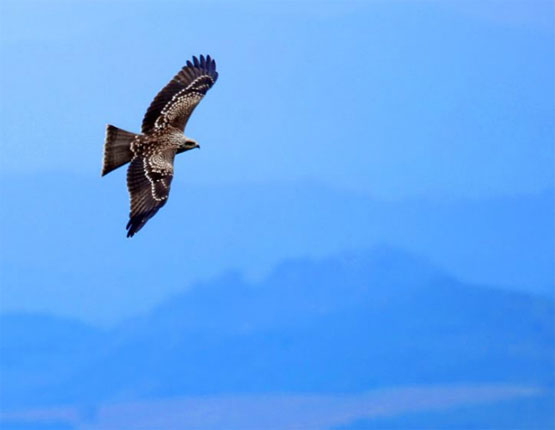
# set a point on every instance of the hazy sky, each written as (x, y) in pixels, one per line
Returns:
(391, 98)
(406, 101)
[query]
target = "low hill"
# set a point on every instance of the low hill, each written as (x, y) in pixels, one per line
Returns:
(338, 325)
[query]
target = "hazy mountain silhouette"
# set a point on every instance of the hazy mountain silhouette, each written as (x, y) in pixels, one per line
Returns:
(95, 274)
(336, 325)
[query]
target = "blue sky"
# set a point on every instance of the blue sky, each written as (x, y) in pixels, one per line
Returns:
(430, 102)
(393, 99)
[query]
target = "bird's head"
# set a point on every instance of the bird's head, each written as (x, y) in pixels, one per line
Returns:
(188, 144)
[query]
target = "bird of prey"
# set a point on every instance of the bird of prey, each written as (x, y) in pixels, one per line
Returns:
(151, 153)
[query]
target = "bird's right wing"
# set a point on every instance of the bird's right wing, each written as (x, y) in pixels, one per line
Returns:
(177, 100)
(148, 181)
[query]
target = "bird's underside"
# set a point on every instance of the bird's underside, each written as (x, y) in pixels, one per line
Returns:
(151, 154)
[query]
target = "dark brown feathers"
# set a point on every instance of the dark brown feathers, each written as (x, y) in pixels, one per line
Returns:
(151, 154)
(148, 181)
(117, 148)
(176, 101)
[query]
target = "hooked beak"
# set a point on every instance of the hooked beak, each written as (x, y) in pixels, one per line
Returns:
(198, 146)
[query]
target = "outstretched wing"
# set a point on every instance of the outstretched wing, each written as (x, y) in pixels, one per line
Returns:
(175, 103)
(148, 180)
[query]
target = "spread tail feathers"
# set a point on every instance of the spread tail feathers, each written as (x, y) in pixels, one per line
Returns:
(117, 148)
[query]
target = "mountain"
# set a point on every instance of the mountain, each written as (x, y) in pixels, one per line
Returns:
(337, 325)
(37, 351)
(95, 274)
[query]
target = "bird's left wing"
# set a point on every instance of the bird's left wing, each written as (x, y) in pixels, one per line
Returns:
(177, 100)
(148, 180)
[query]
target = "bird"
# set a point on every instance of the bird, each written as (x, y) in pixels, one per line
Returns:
(151, 153)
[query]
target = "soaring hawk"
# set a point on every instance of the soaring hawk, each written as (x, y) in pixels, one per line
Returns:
(152, 152)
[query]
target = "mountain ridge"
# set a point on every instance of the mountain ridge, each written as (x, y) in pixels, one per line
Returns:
(344, 324)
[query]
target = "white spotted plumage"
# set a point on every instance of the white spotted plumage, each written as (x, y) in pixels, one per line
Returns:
(151, 154)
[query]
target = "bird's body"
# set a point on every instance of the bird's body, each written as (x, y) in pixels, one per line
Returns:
(151, 154)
